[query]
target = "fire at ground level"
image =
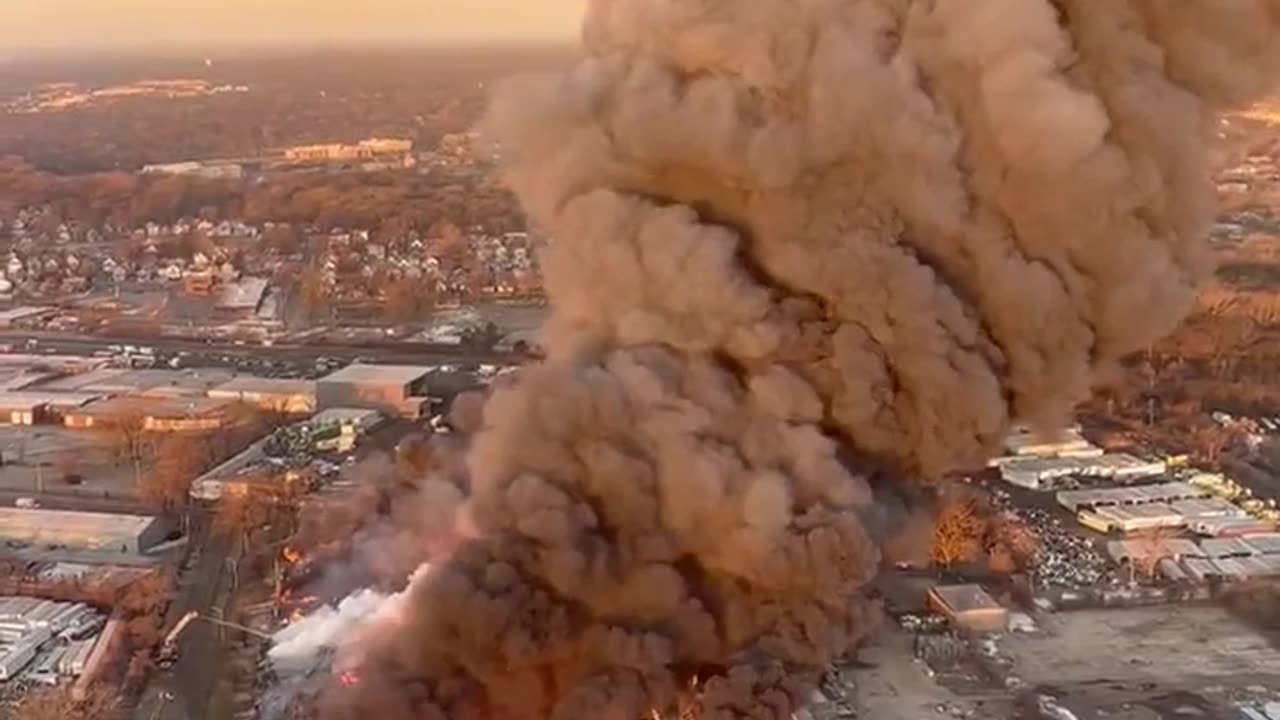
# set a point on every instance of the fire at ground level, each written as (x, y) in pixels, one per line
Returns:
(1161, 662)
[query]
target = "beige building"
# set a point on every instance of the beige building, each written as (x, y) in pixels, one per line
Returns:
(339, 152)
(178, 414)
(969, 607)
(282, 395)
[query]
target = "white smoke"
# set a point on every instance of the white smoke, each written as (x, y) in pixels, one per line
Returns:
(301, 646)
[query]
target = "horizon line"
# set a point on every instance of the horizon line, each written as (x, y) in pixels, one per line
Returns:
(277, 46)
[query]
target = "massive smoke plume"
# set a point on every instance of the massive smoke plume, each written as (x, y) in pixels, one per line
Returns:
(794, 240)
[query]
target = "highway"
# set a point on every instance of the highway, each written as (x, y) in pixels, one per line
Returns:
(207, 348)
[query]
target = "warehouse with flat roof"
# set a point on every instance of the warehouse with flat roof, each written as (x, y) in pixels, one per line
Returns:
(282, 394)
(108, 532)
(394, 389)
(1075, 500)
(969, 607)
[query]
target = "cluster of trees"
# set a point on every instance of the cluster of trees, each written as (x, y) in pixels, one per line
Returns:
(967, 530)
(335, 96)
(325, 200)
(164, 464)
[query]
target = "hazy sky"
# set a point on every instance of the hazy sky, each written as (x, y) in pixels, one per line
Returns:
(92, 23)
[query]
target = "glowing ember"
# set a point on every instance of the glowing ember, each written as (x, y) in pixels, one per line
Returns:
(349, 678)
(290, 555)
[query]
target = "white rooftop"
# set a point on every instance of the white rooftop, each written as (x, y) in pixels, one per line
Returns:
(245, 294)
(34, 525)
(1160, 492)
(343, 415)
(379, 374)
(255, 384)
(17, 313)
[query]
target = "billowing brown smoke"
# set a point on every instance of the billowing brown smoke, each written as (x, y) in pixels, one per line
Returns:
(785, 228)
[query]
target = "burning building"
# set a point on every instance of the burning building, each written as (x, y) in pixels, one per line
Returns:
(805, 250)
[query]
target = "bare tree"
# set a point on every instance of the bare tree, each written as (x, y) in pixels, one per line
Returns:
(957, 533)
(179, 460)
(129, 440)
(1151, 547)
(408, 300)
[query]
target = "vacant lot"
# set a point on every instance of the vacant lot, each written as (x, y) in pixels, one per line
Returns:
(39, 456)
(1183, 661)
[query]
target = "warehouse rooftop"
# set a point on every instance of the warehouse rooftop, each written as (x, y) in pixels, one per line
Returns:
(379, 374)
(255, 384)
(1161, 492)
(964, 598)
(30, 525)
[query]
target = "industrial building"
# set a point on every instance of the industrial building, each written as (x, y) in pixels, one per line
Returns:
(1231, 559)
(29, 408)
(1149, 549)
(1041, 473)
(1075, 500)
(969, 607)
(160, 414)
(398, 390)
(1192, 513)
(339, 429)
(152, 382)
(209, 170)
(1230, 526)
(1147, 507)
(291, 396)
(1131, 518)
(46, 639)
(107, 532)
(25, 316)
(338, 152)
(241, 299)
(1068, 442)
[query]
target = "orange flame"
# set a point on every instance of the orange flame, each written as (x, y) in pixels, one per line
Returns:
(290, 555)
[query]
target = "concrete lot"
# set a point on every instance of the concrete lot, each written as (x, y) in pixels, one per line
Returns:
(1169, 643)
(889, 684)
(1170, 661)
(33, 456)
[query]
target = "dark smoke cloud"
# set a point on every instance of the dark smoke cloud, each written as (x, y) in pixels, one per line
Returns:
(785, 230)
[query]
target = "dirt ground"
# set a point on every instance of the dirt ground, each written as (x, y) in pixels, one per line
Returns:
(1172, 662)
(890, 684)
(1166, 644)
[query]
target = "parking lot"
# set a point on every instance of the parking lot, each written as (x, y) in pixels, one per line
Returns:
(39, 457)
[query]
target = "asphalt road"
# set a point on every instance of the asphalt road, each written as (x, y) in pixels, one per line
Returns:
(72, 499)
(384, 352)
(183, 691)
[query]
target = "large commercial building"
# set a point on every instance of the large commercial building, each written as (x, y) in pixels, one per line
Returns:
(107, 532)
(159, 414)
(338, 152)
(398, 390)
(212, 170)
(29, 408)
(286, 395)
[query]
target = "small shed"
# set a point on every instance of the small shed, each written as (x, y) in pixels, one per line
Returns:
(969, 607)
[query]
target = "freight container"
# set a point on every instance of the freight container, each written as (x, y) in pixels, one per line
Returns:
(46, 670)
(17, 658)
